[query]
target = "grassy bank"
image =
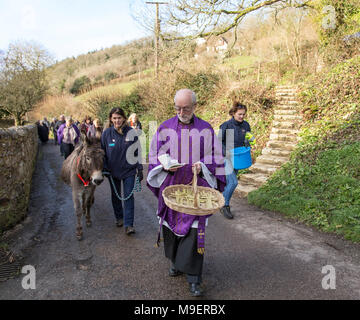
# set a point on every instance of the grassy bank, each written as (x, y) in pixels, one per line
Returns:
(325, 193)
(320, 186)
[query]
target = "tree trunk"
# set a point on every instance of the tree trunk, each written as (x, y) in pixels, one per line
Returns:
(18, 120)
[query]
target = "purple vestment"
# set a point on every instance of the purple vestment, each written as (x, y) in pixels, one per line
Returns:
(187, 144)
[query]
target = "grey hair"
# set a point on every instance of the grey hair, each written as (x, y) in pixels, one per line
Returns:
(193, 95)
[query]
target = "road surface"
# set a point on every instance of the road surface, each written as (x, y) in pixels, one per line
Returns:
(257, 255)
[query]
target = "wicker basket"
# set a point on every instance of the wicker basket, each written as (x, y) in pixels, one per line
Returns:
(195, 209)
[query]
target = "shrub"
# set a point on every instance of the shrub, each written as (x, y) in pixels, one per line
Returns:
(80, 84)
(104, 110)
(62, 85)
(332, 98)
(98, 104)
(335, 48)
(202, 83)
(53, 106)
(132, 103)
(158, 95)
(110, 76)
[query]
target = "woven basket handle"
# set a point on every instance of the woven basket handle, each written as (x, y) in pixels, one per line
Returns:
(195, 187)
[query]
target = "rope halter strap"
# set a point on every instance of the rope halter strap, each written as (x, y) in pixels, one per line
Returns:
(85, 183)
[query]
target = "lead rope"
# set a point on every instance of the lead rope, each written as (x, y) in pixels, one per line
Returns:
(137, 188)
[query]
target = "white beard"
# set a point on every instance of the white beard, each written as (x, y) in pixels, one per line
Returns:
(184, 120)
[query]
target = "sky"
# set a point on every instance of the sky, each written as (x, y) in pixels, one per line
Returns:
(68, 28)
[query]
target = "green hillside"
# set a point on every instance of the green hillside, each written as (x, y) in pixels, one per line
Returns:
(104, 66)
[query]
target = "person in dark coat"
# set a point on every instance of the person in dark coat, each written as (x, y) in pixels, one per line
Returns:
(115, 141)
(52, 128)
(43, 131)
(240, 128)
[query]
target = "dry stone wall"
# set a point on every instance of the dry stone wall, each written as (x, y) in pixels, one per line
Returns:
(18, 150)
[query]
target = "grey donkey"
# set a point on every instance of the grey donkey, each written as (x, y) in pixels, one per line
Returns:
(82, 170)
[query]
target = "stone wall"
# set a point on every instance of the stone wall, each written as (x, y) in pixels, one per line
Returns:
(18, 150)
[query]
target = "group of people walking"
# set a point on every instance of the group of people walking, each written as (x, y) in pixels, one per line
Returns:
(183, 234)
(67, 132)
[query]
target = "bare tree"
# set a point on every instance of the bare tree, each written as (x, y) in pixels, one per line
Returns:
(202, 18)
(23, 81)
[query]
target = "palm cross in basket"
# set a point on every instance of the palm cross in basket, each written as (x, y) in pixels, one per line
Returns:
(193, 200)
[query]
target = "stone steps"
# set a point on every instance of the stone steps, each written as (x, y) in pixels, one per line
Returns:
(286, 90)
(287, 117)
(244, 189)
(285, 98)
(265, 168)
(282, 140)
(284, 131)
(272, 159)
(278, 144)
(284, 125)
(285, 94)
(282, 86)
(287, 107)
(253, 179)
(286, 111)
(284, 137)
(287, 102)
(276, 152)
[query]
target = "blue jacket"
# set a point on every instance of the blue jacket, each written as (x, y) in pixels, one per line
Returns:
(116, 146)
(240, 129)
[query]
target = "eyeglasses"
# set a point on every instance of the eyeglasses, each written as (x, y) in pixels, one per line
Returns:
(184, 109)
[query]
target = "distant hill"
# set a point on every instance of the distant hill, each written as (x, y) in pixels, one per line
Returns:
(103, 66)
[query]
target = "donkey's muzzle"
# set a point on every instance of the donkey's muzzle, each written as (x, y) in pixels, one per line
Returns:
(98, 181)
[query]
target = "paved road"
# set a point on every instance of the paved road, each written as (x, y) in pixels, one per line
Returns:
(258, 255)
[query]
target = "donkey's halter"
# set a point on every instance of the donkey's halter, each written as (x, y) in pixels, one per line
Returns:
(86, 183)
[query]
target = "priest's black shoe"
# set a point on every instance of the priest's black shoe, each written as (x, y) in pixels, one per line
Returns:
(174, 273)
(196, 290)
(225, 210)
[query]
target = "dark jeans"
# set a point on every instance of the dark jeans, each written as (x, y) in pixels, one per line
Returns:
(128, 213)
(66, 148)
(55, 137)
(61, 149)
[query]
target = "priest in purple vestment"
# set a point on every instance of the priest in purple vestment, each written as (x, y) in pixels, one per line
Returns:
(193, 143)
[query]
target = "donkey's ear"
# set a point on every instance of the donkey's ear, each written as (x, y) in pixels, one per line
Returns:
(85, 139)
(98, 133)
(79, 148)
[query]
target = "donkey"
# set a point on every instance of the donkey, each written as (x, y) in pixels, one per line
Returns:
(82, 170)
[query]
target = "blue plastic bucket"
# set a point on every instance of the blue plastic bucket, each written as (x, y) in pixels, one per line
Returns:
(241, 158)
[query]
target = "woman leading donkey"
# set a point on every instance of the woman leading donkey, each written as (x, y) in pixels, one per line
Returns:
(118, 141)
